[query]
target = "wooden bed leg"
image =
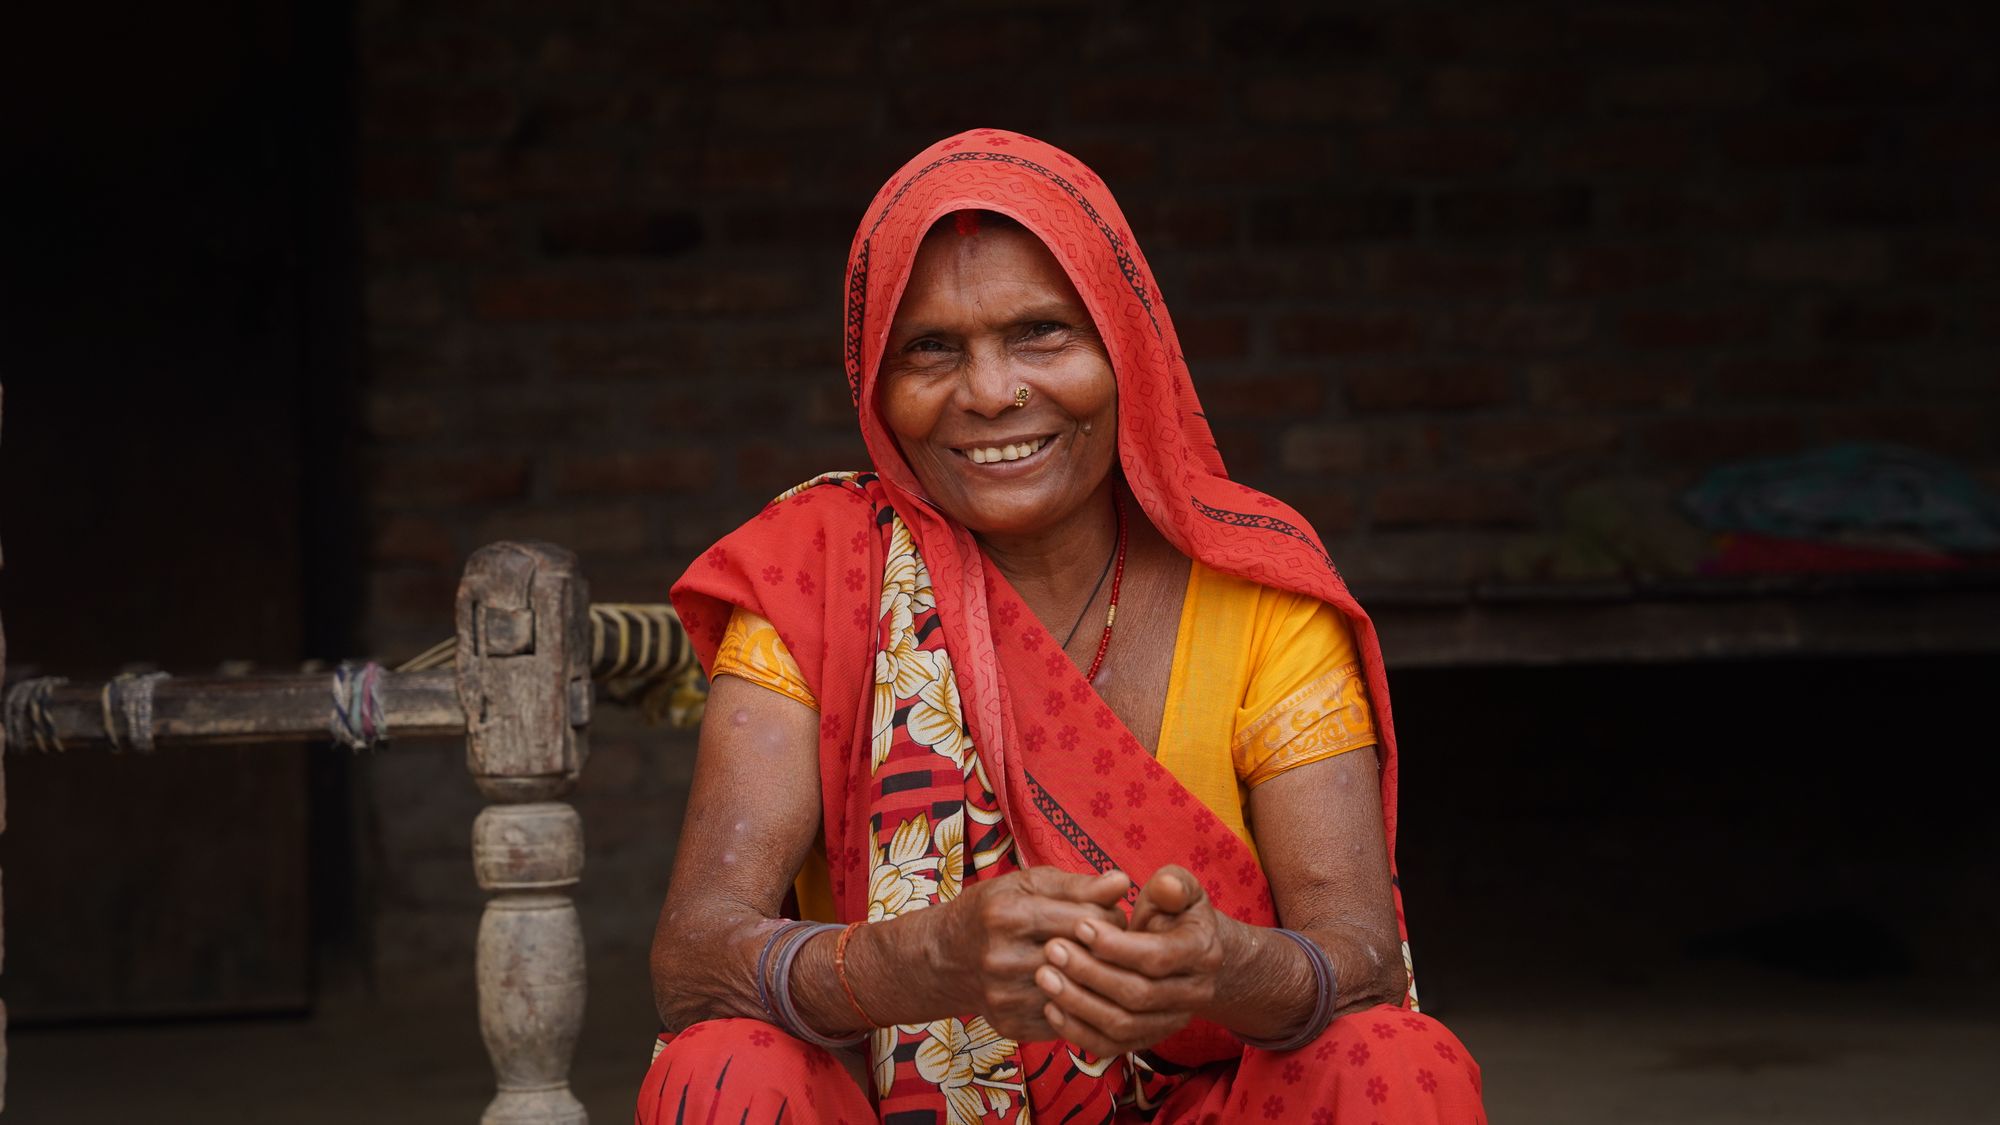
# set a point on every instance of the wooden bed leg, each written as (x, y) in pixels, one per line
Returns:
(524, 680)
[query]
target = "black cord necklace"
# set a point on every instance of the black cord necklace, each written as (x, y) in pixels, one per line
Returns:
(1089, 601)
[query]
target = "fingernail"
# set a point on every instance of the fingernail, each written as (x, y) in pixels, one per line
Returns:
(1086, 931)
(1059, 953)
(1054, 1015)
(1050, 980)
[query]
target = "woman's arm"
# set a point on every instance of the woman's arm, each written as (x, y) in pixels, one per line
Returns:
(1319, 832)
(752, 815)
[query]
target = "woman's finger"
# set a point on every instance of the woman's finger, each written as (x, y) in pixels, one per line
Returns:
(1096, 1024)
(1188, 947)
(1131, 991)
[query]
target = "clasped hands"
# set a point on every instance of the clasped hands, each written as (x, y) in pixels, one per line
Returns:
(1047, 954)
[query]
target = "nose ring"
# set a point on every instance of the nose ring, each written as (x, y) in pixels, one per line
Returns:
(1021, 396)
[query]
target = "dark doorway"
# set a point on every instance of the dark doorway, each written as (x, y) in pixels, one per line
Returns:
(173, 464)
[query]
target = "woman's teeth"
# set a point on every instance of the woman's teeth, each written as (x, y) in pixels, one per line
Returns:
(1005, 452)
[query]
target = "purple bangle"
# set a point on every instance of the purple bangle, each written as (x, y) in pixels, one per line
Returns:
(781, 989)
(1323, 978)
(764, 963)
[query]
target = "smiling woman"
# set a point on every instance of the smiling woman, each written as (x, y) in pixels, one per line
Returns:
(1023, 848)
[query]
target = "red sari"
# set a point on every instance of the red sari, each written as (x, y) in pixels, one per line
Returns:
(957, 742)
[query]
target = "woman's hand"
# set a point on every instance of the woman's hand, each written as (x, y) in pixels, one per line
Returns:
(1111, 990)
(992, 937)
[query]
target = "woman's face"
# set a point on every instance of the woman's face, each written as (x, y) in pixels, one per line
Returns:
(985, 314)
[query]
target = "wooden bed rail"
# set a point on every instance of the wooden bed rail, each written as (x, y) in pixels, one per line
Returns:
(519, 690)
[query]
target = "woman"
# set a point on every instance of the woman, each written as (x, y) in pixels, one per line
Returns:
(1055, 721)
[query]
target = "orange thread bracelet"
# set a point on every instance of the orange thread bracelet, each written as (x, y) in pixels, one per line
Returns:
(840, 970)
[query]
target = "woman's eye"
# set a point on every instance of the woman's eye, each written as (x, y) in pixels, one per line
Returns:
(925, 344)
(1045, 328)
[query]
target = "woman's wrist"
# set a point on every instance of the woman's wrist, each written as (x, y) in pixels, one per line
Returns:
(1268, 988)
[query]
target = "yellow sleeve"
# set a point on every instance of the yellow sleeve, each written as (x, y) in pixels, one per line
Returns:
(1306, 699)
(751, 649)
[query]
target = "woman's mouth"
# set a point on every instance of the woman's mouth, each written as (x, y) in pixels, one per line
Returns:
(1010, 451)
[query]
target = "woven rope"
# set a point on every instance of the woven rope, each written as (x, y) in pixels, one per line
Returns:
(358, 720)
(127, 705)
(28, 720)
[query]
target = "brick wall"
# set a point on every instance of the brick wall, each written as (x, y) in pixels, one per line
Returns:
(1437, 266)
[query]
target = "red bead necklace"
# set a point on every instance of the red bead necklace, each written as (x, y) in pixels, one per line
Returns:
(1117, 579)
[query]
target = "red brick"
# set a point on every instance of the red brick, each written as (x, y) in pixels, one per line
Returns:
(608, 529)
(413, 539)
(1264, 396)
(1514, 443)
(1875, 322)
(1263, 279)
(1245, 450)
(1120, 160)
(1351, 333)
(620, 232)
(1334, 217)
(829, 226)
(553, 296)
(1474, 501)
(1596, 270)
(1626, 148)
(421, 597)
(1871, 81)
(1164, 99)
(1256, 160)
(1329, 511)
(1437, 151)
(407, 480)
(1956, 140)
(400, 177)
(792, 106)
(776, 52)
(991, 99)
(648, 353)
(1891, 202)
(1485, 211)
(1205, 338)
(1797, 143)
(1946, 261)
(1478, 91)
(1711, 439)
(1691, 86)
(1967, 433)
(1818, 261)
(1594, 384)
(696, 411)
(458, 234)
(1694, 326)
(407, 301)
(1429, 386)
(723, 292)
(424, 57)
(398, 415)
(1321, 97)
(521, 175)
(990, 41)
(1261, 35)
(429, 113)
(1409, 271)
(814, 348)
(1349, 447)
(1528, 328)
(671, 471)
(1813, 377)
(766, 468)
(453, 356)
(1661, 208)
(1174, 221)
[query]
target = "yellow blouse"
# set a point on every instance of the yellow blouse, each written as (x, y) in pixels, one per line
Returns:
(1273, 676)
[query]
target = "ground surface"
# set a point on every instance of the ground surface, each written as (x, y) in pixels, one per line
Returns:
(1787, 1052)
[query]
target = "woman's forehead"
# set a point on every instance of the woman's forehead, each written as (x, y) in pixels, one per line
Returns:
(995, 269)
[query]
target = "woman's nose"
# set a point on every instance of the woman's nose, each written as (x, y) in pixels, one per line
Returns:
(989, 382)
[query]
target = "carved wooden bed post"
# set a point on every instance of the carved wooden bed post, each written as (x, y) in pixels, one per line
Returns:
(524, 680)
